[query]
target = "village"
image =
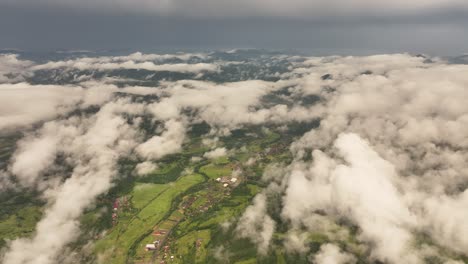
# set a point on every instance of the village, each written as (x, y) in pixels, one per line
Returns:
(165, 243)
(190, 206)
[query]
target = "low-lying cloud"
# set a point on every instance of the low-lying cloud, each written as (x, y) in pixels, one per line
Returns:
(12, 68)
(388, 158)
(215, 153)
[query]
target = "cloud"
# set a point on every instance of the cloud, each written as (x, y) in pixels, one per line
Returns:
(134, 61)
(145, 167)
(139, 57)
(169, 142)
(374, 204)
(331, 254)
(93, 147)
(256, 225)
(129, 65)
(296, 8)
(389, 156)
(23, 104)
(221, 254)
(91, 144)
(13, 69)
(446, 220)
(216, 153)
(34, 155)
(226, 105)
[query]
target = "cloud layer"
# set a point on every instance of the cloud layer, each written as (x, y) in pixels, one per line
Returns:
(388, 158)
(389, 154)
(295, 8)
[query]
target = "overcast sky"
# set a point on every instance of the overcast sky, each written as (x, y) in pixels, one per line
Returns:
(317, 26)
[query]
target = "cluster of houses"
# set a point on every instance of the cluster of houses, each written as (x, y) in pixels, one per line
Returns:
(119, 203)
(155, 246)
(161, 236)
(157, 243)
(188, 202)
(226, 181)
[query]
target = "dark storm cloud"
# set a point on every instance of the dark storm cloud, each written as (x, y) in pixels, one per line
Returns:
(293, 8)
(344, 27)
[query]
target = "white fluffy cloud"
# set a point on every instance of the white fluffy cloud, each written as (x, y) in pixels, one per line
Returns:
(129, 65)
(24, 104)
(215, 153)
(94, 146)
(135, 61)
(34, 156)
(13, 69)
(226, 105)
(331, 254)
(256, 224)
(374, 204)
(389, 154)
(145, 167)
(169, 142)
(446, 221)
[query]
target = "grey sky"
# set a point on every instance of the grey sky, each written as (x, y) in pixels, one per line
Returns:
(321, 27)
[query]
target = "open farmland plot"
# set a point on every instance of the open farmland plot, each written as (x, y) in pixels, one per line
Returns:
(214, 171)
(125, 236)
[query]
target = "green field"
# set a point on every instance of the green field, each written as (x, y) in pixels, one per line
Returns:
(214, 171)
(119, 241)
(192, 207)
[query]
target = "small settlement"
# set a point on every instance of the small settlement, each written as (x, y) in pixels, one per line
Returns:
(227, 181)
(190, 206)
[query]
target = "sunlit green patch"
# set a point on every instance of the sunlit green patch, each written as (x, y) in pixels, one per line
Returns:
(143, 193)
(215, 171)
(21, 223)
